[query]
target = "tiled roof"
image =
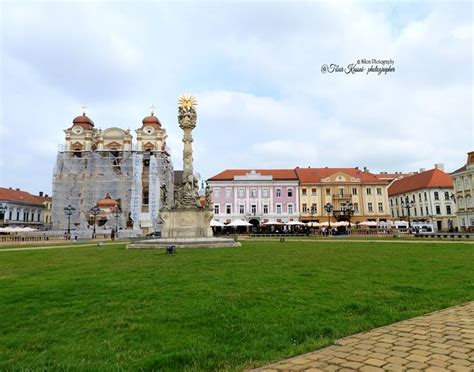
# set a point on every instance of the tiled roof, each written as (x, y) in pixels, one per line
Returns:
(462, 169)
(315, 175)
(429, 179)
(390, 176)
(277, 174)
(7, 194)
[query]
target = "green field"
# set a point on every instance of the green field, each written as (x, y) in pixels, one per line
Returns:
(94, 308)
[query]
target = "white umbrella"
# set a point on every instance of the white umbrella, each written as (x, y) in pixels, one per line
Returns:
(368, 223)
(295, 223)
(215, 223)
(313, 224)
(268, 223)
(28, 229)
(239, 223)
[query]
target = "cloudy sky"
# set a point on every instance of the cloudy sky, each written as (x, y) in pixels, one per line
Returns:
(255, 68)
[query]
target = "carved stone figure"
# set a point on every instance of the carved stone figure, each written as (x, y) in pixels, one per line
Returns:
(208, 197)
(164, 196)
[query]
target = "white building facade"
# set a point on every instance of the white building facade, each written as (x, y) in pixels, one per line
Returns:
(463, 192)
(424, 197)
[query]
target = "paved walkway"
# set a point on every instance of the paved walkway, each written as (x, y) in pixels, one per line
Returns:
(440, 341)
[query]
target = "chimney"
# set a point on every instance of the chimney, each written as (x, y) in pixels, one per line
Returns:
(45, 195)
(422, 170)
(41, 193)
(440, 167)
(365, 169)
(470, 157)
(17, 189)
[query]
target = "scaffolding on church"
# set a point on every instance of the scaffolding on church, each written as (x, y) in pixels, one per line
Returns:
(139, 181)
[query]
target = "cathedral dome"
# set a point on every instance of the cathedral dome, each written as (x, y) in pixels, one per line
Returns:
(152, 120)
(107, 202)
(83, 121)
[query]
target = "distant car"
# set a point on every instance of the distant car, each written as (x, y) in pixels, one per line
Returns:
(154, 234)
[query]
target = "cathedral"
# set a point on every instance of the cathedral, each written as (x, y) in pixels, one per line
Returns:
(106, 181)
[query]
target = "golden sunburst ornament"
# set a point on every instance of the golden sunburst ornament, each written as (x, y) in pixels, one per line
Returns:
(187, 101)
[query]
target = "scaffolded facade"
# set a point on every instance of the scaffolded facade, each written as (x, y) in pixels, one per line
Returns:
(97, 164)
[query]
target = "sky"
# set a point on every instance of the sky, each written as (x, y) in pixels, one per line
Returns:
(256, 69)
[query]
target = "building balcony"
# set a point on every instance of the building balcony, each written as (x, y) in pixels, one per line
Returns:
(342, 197)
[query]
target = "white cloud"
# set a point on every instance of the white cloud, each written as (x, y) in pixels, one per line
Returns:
(256, 72)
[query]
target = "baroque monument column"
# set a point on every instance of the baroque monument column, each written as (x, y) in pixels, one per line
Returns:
(187, 222)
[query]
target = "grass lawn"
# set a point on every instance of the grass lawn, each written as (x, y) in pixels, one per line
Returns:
(108, 308)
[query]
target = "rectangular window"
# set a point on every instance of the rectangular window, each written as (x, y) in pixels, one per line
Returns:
(228, 192)
(278, 209)
(265, 192)
(217, 192)
(313, 192)
(448, 209)
(10, 215)
(265, 209)
(314, 208)
(369, 191)
(290, 208)
(446, 195)
(303, 192)
(391, 202)
(370, 207)
(253, 193)
(414, 211)
(419, 196)
(421, 211)
(18, 216)
(426, 198)
(216, 208)
(241, 193)
(228, 209)
(379, 191)
(436, 195)
(145, 197)
(290, 192)
(356, 207)
(305, 208)
(241, 209)
(354, 191)
(396, 201)
(278, 193)
(39, 216)
(438, 209)
(328, 191)
(380, 206)
(254, 209)
(341, 192)
(427, 211)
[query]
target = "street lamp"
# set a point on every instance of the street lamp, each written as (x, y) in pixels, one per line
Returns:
(348, 209)
(94, 212)
(328, 207)
(69, 210)
(408, 204)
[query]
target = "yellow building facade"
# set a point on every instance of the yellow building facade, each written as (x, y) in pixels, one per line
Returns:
(366, 193)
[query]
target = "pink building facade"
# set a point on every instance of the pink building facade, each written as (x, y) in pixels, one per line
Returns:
(257, 196)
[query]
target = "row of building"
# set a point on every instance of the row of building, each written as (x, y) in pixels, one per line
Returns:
(104, 178)
(346, 194)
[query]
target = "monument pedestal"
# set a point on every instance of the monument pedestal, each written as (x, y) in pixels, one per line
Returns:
(186, 223)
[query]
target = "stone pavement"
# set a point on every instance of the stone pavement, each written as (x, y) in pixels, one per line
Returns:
(440, 341)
